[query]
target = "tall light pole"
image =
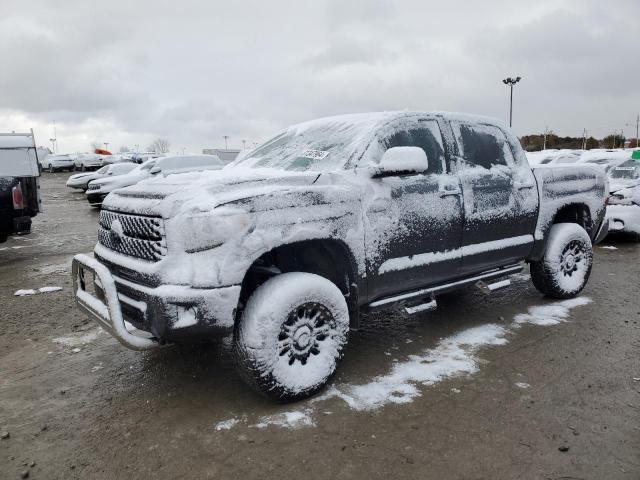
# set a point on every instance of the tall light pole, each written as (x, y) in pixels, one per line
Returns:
(226, 137)
(637, 129)
(511, 82)
(244, 144)
(106, 145)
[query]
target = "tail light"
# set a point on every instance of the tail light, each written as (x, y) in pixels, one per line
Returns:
(18, 200)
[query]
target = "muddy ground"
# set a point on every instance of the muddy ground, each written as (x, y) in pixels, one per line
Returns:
(559, 401)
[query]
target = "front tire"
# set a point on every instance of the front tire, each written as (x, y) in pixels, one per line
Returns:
(566, 265)
(290, 337)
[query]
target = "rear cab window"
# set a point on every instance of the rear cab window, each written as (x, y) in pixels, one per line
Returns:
(482, 146)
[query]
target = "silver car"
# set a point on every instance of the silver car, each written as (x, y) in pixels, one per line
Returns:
(57, 163)
(81, 180)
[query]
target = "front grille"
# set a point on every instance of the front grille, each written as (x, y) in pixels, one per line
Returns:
(133, 235)
(94, 187)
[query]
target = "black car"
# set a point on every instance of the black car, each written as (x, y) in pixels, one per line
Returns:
(19, 188)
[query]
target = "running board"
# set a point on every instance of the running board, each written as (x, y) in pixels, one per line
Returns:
(428, 292)
(492, 287)
(423, 307)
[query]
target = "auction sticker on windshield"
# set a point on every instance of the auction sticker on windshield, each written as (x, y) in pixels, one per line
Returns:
(314, 154)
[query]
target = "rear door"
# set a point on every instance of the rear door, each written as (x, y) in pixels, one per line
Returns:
(413, 223)
(500, 198)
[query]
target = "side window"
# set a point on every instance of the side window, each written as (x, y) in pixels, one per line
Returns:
(423, 134)
(482, 145)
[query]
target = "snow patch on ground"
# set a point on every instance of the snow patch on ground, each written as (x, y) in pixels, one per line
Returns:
(79, 338)
(24, 293)
(609, 247)
(551, 314)
(30, 291)
(49, 289)
(451, 357)
(522, 385)
(227, 424)
(292, 419)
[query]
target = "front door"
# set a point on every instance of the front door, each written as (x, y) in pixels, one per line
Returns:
(413, 223)
(500, 198)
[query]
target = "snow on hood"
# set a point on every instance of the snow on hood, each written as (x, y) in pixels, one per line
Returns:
(203, 191)
(616, 184)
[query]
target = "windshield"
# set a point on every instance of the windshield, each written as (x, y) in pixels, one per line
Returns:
(120, 168)
(627, 171)
(148, 165)
(321, 146)
(103, 169)
(176, 163)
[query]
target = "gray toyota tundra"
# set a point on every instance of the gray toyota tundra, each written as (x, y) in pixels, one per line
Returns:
(288, 246)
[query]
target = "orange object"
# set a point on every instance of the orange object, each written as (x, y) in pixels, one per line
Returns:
(101, 151)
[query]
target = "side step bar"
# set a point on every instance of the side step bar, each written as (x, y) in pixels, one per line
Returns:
(429, 292)
(492, 287)
(423, 307)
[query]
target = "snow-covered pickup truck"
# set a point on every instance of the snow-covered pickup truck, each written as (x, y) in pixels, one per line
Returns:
(289, 245)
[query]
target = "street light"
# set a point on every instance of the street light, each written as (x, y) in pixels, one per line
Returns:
(511, 82)
(226, 137)
(106, 145)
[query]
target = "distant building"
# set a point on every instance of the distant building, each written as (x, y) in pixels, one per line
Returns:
(226, 155)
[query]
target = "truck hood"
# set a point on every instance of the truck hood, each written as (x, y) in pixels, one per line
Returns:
(203, 191)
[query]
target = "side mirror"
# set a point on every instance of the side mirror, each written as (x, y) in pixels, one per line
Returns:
(155, 170)
(402, 160)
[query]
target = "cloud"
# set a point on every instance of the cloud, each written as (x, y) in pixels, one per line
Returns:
(193, 71)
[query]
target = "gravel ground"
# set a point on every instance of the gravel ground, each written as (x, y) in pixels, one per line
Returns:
(558, 401)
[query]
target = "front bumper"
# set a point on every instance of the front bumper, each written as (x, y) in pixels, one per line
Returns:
(143, 317)
(624, 218)
(96, 198)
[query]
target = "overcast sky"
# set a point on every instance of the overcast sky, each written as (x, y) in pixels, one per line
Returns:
(125, 72)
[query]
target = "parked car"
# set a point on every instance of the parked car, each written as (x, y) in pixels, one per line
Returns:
(57, 163)
(287, 246)
(623, 211)
(98, 189)
(551, 157)
(607, 159)
(87, 161)
(19, 189)
(81, 180)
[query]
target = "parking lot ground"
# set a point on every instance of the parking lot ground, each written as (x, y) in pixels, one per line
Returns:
(485, 387)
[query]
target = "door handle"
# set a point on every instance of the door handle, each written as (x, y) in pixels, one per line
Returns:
(450, 191)
(378, 206)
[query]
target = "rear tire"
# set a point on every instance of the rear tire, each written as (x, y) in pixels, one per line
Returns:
(290, 337)
(566, 264)
(51, 169)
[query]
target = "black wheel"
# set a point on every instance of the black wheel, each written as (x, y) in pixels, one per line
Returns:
(290, 337)
(51, 169)
(566, 265)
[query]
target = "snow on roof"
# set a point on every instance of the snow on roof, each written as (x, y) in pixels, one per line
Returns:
(16, 140)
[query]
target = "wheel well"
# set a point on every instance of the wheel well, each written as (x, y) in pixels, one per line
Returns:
(330, 259)
(575, 213)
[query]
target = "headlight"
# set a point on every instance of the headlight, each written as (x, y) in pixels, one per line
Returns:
(617, 199)
(204, 231)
